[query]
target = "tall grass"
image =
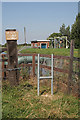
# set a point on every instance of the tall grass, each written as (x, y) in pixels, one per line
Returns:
(22, 102)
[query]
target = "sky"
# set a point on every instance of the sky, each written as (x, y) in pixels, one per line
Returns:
(79, 6)
(40, 18)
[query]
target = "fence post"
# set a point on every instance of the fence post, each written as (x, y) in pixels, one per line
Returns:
(2, 66)
(12, 37)
(33, 65)
(79, 74)
(70, 66)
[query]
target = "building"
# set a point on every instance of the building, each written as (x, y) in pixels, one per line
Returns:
(40, 43)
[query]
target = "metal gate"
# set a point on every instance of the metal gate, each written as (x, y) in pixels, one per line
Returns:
(45, 77)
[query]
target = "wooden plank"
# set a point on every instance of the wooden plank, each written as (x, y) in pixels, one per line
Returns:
(26, 54)
(55, 69)
(61, 57)
(61, 70)
(48, 68)
(45, 55)
(25, 65)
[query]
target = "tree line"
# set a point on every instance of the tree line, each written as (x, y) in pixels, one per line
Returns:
(74, 34)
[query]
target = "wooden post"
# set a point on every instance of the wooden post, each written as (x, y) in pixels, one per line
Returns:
(11, 37)
(25, 35)
(70, 66)
(33, 65)
(5, 72)
(2, 66)
(66, 42)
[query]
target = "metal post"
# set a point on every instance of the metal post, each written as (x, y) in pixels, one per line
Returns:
(38, 75)
(45, 77)
(52, 74)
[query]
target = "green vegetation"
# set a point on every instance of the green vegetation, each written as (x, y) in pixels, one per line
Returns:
(54, 35)
(62, 51)
(75, 31)
(22, 102)
(65, 31)
(0, 45)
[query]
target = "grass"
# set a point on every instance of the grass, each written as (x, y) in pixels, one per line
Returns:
(62, 51)
(22, 102)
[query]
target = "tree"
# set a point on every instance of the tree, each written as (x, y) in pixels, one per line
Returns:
(75, 31)
(75, 35)
(54, 35)
(62, 29)
(67, 32)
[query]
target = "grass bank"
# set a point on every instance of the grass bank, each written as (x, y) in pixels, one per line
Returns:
(62, 51)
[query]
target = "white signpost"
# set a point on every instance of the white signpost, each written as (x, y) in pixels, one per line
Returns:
(11, 35)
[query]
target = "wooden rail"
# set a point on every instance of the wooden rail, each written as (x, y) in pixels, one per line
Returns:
(42, 66)
(44, 55)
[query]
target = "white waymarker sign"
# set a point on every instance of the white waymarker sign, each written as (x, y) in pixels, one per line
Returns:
(11, 35)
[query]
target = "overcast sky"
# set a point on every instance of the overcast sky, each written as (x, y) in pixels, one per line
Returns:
(40, 18)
